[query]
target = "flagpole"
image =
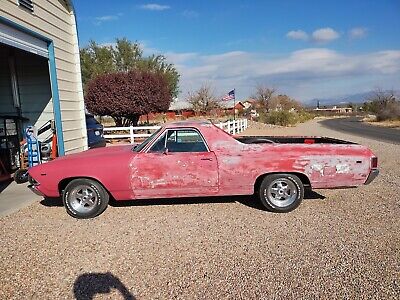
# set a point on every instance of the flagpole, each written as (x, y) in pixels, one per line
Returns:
(234, 104)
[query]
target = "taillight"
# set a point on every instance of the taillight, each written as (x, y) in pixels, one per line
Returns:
(374, 162)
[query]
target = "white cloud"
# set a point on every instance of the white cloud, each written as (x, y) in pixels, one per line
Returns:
(303, 74)
(101, 19)
(307, 73)
(154, 6)
(324, 35)
(358, 32)
(297, 35)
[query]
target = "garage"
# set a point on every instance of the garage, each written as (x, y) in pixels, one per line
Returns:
(40, 79)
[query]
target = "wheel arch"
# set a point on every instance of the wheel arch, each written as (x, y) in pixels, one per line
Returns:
(303, 177)
(64, 182)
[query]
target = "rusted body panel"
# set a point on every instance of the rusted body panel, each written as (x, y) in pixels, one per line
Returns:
(229, 167)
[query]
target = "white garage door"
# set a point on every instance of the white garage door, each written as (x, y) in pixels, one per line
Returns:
(15, 38)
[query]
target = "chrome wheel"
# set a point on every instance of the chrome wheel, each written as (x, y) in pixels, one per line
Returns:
(281, 192)
(83, 198)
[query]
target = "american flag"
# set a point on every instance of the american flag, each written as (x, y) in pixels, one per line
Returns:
(229, 96)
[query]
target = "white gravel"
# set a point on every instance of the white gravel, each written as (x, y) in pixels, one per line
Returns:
(346, 246)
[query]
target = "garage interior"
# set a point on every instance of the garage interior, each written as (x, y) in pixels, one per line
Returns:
(25, 100)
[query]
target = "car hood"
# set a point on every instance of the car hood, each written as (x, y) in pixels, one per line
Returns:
(97, 152)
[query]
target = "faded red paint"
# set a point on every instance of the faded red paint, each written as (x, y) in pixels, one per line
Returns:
(229, 168)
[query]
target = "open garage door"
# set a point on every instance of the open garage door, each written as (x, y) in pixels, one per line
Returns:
(21, 40)
(25, 91)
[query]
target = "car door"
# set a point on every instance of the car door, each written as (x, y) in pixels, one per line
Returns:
(178, 164)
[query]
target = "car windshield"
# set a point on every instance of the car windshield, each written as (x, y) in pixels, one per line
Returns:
(139, 147)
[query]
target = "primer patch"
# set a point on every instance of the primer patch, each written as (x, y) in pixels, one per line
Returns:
(342, 168)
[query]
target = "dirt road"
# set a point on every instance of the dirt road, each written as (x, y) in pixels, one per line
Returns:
(341, 244)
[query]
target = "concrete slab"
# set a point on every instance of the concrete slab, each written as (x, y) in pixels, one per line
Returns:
(14, 196)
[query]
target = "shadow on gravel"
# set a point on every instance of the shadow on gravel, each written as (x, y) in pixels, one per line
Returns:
(312, 195)
(87, 286)
(250, 201)
(51, 202)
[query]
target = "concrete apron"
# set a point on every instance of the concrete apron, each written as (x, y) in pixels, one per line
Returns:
(15, 197)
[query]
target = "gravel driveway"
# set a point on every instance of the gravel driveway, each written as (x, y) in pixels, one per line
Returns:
(345, 246)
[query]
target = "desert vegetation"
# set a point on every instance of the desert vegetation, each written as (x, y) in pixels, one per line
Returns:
(279, 109)
(384, 105)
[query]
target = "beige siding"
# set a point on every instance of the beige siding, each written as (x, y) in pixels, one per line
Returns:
(54, 20)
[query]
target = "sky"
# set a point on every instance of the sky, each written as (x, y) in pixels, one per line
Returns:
(305, 49)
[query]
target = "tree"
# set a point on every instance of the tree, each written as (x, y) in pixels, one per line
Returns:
(122, 57)
(96, 60)
(283, 102)
(263, 96)
(159, 64)
(203, 100)
(384, 105)
(125, 96)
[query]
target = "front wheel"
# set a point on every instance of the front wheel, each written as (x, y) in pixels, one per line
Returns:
(85, 198)
(281, 192)
(21, 176)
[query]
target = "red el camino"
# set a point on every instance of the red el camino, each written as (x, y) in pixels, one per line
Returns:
(190, 159)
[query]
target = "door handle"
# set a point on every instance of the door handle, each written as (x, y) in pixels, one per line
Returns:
(208, 158)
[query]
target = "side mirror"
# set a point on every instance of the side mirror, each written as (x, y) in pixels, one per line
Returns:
(165, 151)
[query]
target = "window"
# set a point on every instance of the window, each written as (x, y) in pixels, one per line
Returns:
(159, 145)
(28, 4)
(138, 148)
(184, 140)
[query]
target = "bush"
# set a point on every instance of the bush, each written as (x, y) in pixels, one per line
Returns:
(285, 118)
(390, 112)
(384, 105)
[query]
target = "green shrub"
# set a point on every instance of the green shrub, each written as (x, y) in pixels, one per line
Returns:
(285, 118)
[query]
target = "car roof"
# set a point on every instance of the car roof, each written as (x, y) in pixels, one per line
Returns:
(191, 123)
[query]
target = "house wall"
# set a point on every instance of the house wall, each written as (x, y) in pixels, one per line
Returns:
(55, 20)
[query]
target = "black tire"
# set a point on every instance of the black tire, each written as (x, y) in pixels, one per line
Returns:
(281, 192)
(77, 205)
(21, 176)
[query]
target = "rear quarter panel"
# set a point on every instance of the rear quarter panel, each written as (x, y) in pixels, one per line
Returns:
(325, 165)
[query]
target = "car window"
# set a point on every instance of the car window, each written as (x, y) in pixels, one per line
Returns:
(185, 140)
(138, 148)
(159, 145)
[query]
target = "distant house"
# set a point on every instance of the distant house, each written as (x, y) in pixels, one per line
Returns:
(335, 109)
(239, 107)
(177, 110)
(180, 109)
(249, 103)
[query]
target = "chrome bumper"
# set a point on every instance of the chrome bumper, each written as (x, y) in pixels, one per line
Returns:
(33, 189)
(372, 175)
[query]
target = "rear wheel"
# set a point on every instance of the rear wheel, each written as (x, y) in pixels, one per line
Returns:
(281, 192)
(85, 198)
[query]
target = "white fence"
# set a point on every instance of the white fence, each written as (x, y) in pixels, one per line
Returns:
(131, 132)
(234, 126)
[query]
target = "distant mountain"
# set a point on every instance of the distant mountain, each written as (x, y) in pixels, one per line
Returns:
(353, 98)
